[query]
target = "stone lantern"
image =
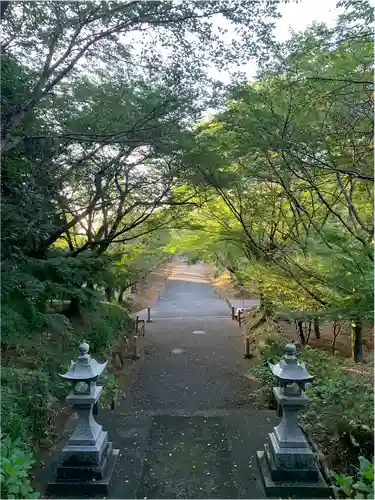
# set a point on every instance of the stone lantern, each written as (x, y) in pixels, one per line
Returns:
(287, 464)
(87, 460)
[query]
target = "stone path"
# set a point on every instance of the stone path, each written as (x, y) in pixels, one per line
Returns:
(185, 428)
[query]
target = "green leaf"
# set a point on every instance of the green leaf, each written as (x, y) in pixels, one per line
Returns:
(361, 486)
(365, 465)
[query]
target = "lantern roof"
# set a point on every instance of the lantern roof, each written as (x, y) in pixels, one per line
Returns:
(289, 369)
(85, 367)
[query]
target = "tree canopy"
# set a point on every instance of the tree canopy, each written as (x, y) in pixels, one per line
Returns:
(288, 166)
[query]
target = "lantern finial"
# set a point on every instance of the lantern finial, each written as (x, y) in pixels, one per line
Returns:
(290, 355)
(83, 348)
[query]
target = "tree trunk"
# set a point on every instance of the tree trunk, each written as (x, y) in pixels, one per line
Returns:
(120, 297)
(301, 332)
(262, 301)
(109, 293)
(74, 309)
(317, 328)
(309, 332)
(356, 340)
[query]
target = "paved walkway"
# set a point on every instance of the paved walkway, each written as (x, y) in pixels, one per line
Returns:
(185, 428)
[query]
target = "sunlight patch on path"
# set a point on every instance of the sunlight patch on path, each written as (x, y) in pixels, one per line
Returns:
(177, 351)
(196, 273)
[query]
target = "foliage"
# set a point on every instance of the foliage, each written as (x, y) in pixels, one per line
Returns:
(15, 466)
(178, 42)
(103, 327)
(94, 121)
(26, 400)
(15, 426)
(360, 487)
(110, 392)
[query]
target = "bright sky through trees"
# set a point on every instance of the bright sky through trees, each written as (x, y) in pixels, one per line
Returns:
(299, 16)
(295, 17)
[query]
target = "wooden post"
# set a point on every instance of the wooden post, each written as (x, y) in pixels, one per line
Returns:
(158, 294)
(356, 340)
(247, 348)
(233, 313)
(317, 328)
(135, 347)
(239, 318)
(136, 324)
(149, 315)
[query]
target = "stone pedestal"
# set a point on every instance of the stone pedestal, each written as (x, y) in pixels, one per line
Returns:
(287, 464)
(87, 459)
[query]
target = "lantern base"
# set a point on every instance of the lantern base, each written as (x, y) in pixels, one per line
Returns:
(287, 488)
(290, 457)
(301, 472)
(72, 481)
(76, 454)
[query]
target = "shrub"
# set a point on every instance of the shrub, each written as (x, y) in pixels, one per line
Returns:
(350, 399)
(360, 487)
(15, 466)
(110, 390)
(26, 400)
(15, 424)
(104, 326)
(271, 351)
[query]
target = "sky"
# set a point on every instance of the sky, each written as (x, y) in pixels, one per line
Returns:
(299, 16)
(295, 17)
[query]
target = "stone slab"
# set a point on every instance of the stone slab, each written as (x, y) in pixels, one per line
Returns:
(188, 458)
(292, 489)
(83, 489)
